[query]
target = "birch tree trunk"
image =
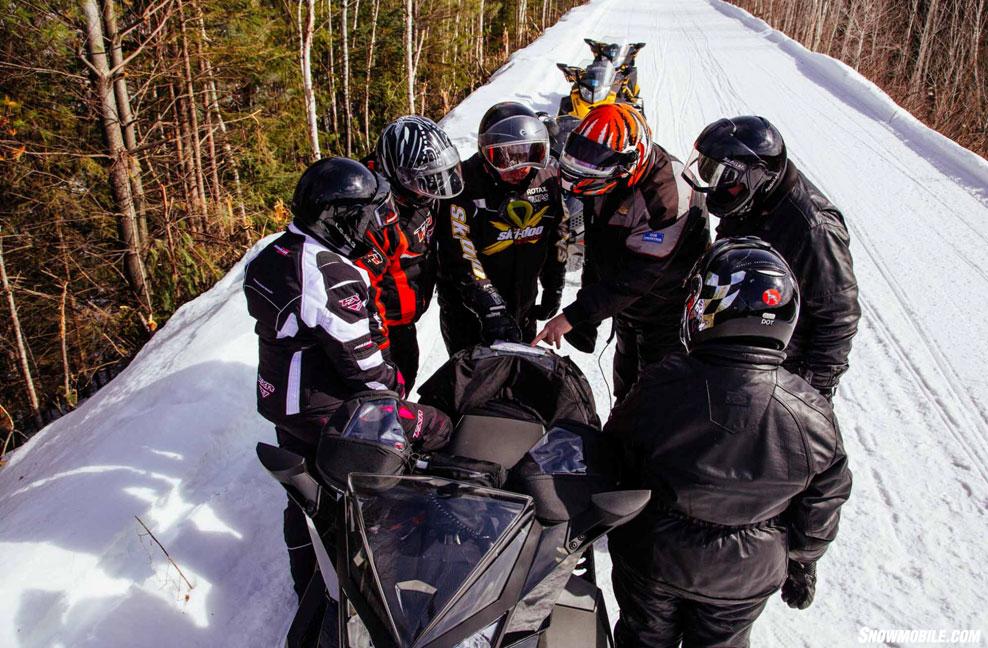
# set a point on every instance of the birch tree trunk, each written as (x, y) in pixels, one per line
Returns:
(22, 355)
(347, 106)
(332, 67)
(410, 53)
(195, 141)
(134, 269)
(370, 67)
(305, 62)
(480, 37)
(919, 72)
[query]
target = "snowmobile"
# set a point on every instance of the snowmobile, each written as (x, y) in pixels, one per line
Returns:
(484, 543)
(611, 77)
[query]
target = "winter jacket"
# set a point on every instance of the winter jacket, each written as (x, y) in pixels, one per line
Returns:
(747, 469)
(507, 236)
(809, 232)
(318, 331)
(402, 263)
(632, 269)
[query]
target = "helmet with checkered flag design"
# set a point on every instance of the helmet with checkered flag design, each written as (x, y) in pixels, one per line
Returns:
(741, 291)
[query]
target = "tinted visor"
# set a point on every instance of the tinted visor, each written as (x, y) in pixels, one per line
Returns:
(585, 158)
(440, 178)
(706, 174)
(507, 157)
(371, 216)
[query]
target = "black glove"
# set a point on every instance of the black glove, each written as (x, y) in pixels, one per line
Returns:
(548, 307)
(495, 323)
(800, 585)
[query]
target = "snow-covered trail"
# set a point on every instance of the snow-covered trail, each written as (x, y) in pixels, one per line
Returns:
(171, 439)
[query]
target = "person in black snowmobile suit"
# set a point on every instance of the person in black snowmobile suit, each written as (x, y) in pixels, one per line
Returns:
(751, 185)
(744, 460)
(422, 166)
(319, 334)
(644, 232)
(503, 235)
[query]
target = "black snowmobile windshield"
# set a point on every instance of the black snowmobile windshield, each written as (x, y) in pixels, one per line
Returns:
(439, 551)
(439, 178)
(597, 80)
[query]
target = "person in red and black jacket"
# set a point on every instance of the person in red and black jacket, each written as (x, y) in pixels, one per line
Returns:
(423, 166)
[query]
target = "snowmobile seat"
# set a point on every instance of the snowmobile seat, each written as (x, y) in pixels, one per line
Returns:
(494, 438)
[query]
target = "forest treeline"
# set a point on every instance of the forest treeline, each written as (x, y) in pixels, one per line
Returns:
(146, 145)
(930, 56)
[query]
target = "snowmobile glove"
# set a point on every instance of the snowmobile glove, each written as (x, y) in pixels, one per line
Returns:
(499, 326)
(496, 324)
(800, 585)
(551, 300)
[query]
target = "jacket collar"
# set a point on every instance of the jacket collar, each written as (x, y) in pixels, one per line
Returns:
(739, 354)
(789, 180)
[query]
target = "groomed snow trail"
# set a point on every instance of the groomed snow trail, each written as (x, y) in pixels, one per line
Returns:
(171, 439)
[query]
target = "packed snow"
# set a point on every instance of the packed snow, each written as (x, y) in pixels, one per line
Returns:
(171, 440)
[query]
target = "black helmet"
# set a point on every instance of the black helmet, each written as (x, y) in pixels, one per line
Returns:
(735, 162)
(512, 137)
(338, 201)
(741, 290)
(416, 156)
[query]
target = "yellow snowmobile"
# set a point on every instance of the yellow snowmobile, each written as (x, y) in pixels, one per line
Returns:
(610, 78)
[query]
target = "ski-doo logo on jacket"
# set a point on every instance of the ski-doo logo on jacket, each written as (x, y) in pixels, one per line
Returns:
(352, 303)
(523, 226)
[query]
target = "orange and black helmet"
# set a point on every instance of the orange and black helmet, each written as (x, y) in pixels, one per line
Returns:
(611, 144)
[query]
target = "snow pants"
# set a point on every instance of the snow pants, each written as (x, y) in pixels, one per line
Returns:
(301, 556)
(653, 617)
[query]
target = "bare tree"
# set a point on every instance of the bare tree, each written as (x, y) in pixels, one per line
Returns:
(22, 353)
(410, 53)
(370, 67)
(119, 165)
(128, 122)
(305, 62)
(347, 106)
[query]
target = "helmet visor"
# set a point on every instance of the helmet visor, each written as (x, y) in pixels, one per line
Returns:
(586, 158)
(707, 175)
(517, 155)
(582, 185)
(440, 178)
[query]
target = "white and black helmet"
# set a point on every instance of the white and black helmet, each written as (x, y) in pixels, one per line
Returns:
(417, 157)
